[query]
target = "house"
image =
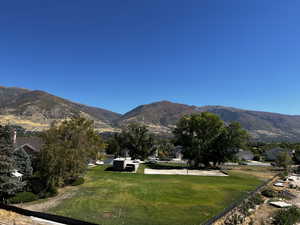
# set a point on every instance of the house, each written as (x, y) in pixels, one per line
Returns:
(27, 148)
(244, 155)
(32, 145)
(272, 154)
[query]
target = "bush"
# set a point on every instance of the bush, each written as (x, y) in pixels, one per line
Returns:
(256, 199)
(286, 195)
(50, 192)
(37, 185)
(256, 158)
(287, 216)
(22, 197)
(269, 193)
(78, 181)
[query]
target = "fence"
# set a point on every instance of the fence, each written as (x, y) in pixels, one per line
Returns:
(45, 216)
(238, 202)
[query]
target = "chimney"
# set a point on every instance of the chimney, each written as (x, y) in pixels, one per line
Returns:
(15, 137)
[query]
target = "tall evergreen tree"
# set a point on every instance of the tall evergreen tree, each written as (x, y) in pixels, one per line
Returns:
(9, 185)
(23, 162)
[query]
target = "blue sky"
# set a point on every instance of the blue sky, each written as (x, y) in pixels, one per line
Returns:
(117, 54)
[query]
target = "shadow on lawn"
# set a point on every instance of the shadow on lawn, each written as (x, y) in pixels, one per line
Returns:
(113, 169)
(165, 167)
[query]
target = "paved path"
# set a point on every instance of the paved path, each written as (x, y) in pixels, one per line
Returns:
(217, 173)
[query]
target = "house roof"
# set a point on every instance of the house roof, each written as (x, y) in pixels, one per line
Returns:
(34, 143)
(17, 174)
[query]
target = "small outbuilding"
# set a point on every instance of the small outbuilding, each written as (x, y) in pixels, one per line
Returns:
(125, 164)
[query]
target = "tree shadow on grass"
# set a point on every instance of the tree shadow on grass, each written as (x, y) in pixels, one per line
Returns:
(113, 169)
(164, 167)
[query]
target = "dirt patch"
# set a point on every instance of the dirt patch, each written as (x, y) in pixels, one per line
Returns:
(63, 194)
(107, 215)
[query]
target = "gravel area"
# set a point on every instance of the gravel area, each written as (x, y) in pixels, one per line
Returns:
(217, 173)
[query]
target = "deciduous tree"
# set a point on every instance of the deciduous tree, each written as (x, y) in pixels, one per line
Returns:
(67, 149)
(206, 138)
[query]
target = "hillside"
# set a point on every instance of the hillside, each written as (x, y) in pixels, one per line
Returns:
(162, 116)
(37, 109)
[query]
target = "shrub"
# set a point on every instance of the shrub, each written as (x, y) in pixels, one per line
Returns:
(37, 185)
(256, 158)
(286, 195)
(256, 199)
(50, 192)
(22, 197)
(269, 193)
(287, 216)
(78, 181)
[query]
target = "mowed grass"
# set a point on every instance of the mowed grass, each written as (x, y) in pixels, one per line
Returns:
(112, 198)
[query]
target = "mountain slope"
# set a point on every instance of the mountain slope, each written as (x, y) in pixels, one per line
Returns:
(37, 109)
(162, 116)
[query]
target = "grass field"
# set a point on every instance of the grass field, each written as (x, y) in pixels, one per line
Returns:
(137, 199)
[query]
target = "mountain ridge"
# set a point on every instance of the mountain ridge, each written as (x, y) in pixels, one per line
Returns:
(36, 109)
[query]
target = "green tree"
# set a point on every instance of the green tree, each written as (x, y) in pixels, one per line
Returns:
(231, 139)
(23, 162)
(205, 138)
(9, 185)
(164, 148)
(67, 149)
(115, 145)
(136, 139)
(284, 160)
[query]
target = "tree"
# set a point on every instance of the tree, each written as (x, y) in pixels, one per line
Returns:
(231, 139)
(115, 145)
(136, 139)
(67, 149)
(8, 184)
(164, 148)
(23, 162)
(205, 138)
(284, 160)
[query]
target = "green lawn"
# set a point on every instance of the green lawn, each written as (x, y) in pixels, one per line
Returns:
(138, 199)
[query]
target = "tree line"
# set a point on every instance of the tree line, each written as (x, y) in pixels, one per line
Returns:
(68, 146)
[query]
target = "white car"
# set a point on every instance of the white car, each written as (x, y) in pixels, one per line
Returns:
(99, 162)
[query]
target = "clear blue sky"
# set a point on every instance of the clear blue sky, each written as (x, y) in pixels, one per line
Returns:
(117, 54)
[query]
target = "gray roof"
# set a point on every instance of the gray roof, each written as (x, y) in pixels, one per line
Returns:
(35, 143)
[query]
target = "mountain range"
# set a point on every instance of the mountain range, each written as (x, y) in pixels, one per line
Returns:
(36, 110)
